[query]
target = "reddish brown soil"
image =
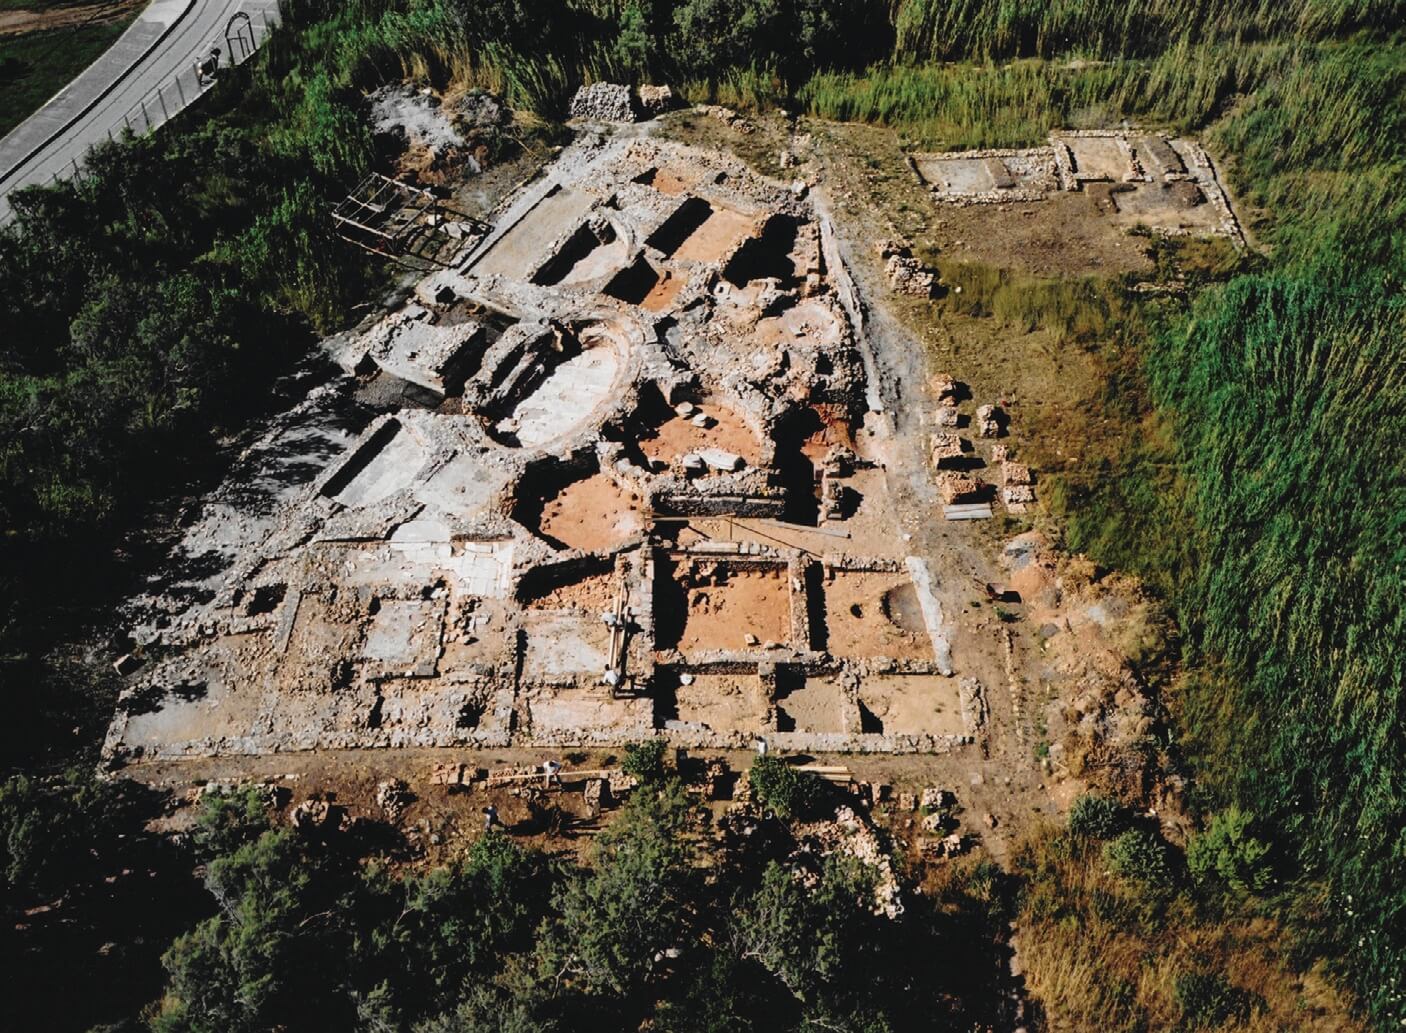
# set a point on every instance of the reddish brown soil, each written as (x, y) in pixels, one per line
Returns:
(722, 702)
(678, 437)
(667, 181)
(813, 706)
(1063, 235)
(913, 703)
(721, 616)
(834, 430)
(661, 298)
(869, 632)
(592, 514)
(717, 237)
(595, 593)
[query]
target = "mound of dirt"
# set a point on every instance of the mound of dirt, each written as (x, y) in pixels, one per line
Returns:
(412, 119)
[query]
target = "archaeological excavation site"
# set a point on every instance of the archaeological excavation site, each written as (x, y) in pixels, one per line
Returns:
(632, 485)
(702, 515)
(1168, 185)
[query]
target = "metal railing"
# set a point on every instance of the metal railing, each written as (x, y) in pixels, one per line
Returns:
(243, 36)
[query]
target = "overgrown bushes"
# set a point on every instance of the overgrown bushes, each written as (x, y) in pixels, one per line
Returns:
(1141, 857)
(645, 760)
(660, 926)
(1097, 817)
(781, 789)
(1229, 855)
(1207, 1001)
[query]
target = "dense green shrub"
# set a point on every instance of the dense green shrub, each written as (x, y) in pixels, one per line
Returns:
(228, 820)
(486, 1009)
(1142, 857)
(1097, 817)
(1208, 1000)
(780, 788)
(1229, 854)
(645, 760)
(429, 934)
(53, 834)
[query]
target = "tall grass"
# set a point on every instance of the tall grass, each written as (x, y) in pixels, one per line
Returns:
(1076, 311)
(1100, 952)
(928, 30)
(1286, 394)
(1317, 132)
(1018, 103)
(1264, 496)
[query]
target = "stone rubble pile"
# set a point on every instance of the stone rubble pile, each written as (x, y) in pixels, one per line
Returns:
(603, 102)
(393, 796)
(655, 100)
(905, 273)
(850, 834)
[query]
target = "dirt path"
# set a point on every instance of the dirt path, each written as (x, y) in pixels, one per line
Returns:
(18, 22)
(1004, 779)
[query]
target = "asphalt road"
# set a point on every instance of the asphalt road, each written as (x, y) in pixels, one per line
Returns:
(157, 52)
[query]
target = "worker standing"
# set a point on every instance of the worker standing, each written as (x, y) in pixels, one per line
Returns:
(551, 772)
(490, 818)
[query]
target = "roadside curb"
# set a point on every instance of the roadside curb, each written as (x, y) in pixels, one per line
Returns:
(102, 95)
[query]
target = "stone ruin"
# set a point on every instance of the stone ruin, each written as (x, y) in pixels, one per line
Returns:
(1168, 184)
(905, 273)
(629, 487)
(613, 102)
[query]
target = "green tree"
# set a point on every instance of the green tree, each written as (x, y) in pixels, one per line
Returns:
(645, 760)
(55, 834)
(722, 992)
(273, 956)
(618, 917)
(712, 35)
(847, 966)
(486, 1010)
(229, 820)
(426, 934)
(637, 40)
(801, 936)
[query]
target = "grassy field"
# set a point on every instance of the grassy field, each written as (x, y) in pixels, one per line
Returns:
(36, 65)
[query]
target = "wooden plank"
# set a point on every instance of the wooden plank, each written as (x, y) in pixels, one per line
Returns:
(832, 532)
(979, 511)
(563, 775)
(360, 225)
(829, 774)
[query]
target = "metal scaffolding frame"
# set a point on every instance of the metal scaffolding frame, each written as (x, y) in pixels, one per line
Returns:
(402, 222)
